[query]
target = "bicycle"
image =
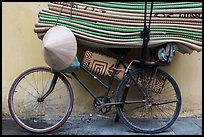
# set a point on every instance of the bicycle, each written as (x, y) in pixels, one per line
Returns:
(152, 110)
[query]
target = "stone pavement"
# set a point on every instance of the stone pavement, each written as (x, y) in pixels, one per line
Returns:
(79, 125)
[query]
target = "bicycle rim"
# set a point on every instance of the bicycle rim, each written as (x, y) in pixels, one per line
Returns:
(40, 117)
(158, 113)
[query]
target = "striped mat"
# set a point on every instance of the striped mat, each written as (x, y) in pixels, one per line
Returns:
(119, 24)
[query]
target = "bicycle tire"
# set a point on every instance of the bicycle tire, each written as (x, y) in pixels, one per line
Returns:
(17, 118)
(134, 126)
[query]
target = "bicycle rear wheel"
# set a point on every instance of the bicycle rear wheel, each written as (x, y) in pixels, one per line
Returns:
(40, 116)
(158, 110)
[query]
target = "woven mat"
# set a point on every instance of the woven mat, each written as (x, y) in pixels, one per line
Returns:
(113, 25)
(101, 64)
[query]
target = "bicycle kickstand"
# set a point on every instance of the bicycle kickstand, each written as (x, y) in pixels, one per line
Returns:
(123, 100)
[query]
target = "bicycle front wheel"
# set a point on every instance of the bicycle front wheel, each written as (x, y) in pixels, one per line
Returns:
(45, 115)
(156, 97)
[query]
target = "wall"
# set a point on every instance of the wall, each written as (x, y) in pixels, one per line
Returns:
(22, 50)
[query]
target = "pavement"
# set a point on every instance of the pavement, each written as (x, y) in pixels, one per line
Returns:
(99, 125)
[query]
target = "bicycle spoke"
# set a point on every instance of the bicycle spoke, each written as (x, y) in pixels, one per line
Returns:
(33, 78)
(32, 86)
(47, 84)
(162, 111)
(42, 83)
(28, 104)
(158, 118)
(27, 91)
(169, 108)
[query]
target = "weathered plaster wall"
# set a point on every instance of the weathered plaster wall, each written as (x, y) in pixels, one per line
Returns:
(22, 50)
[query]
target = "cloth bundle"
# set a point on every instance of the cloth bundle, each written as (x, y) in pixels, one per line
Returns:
(119, 24)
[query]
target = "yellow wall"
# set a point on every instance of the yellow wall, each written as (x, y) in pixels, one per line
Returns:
(22, 50)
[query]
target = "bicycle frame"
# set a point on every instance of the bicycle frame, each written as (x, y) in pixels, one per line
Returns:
(106, 86)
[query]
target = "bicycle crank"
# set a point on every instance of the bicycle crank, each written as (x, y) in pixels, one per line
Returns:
(99, 108)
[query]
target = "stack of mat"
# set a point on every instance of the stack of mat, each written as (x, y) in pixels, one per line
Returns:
(119, 24)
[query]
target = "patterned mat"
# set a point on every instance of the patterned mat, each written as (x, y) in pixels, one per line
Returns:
(118, 24)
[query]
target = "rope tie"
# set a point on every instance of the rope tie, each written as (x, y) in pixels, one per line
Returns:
(59, 14)
(71, 4)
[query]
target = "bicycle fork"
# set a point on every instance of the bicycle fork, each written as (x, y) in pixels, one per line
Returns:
(52, 86)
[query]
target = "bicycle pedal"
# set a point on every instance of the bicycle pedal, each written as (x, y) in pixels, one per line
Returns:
(90, 115)
(113, 92)
(90, 118)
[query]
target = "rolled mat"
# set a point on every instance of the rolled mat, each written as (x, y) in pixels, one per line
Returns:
(119, 24)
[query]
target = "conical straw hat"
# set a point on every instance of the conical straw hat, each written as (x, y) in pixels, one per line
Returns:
(59, 47)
